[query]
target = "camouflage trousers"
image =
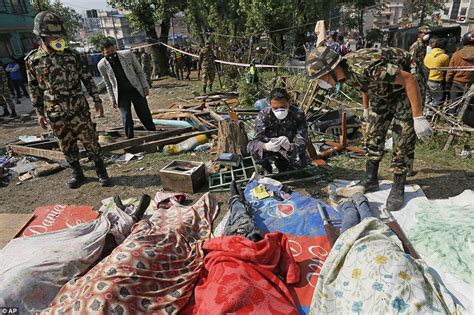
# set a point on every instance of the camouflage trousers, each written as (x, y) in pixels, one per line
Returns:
(68, 130)
(208, 75)
(6, 98)
(422, 79)
(382, 111)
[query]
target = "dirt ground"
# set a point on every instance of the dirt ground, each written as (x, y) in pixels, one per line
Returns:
(441, 174)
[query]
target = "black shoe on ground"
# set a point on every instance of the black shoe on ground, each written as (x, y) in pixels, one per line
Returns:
(234, 189)
(371, 181)
(101, 171)
(141, 208)
(77, 177)
(397, 193)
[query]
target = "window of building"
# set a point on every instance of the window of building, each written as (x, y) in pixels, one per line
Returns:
(18, 6)
(463, 12)
(3, 6)
(27, 41)
(5, 46)
(455, 9)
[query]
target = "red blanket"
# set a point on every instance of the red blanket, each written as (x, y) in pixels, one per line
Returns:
(240, 276)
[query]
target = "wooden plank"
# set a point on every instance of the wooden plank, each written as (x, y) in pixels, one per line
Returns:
(311, 150)
(140, 140)
(215, 115)
(188, 104)
(197, 122)
(47, 154)
(320, 163)
(343, 137)
(11, 224)
(349, 148)
(154, 146)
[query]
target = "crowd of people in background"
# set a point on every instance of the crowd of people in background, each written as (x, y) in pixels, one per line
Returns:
(441, 85)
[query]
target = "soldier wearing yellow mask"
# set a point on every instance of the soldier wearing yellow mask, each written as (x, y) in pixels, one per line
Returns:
(54, 75)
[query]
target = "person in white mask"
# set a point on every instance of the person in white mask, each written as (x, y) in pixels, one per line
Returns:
(281, 135)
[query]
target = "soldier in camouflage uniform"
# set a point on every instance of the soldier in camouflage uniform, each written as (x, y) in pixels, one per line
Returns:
(207, 64)
(418, 69)
(54, 75)
(281, 135)
(384, 76)
(146, 65)
(6, 99)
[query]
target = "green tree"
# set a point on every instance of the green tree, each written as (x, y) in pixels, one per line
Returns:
(143, 15)
(95, 39)
(374, 35)
(72, 21)
(360, 6)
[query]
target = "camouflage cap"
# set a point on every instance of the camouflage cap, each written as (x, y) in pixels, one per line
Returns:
(423, 29)
(321, 60)
(48, 23)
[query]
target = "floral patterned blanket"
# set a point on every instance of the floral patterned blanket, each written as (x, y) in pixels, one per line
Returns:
(367, 272)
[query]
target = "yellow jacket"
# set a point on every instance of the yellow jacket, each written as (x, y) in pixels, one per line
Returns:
(434, 59)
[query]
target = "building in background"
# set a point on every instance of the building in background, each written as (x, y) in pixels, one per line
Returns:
(389, 15)
(115, 24)
(459, 12)
(91, 23)
(16, 26)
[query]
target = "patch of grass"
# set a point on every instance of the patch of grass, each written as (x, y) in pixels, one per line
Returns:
(432, 152)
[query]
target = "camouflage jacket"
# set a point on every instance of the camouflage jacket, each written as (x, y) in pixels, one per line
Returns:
(267, 126)
(145, 60)
(3, 80)
(206, 59)
(374, 71)
(54, 82)
(418, 50)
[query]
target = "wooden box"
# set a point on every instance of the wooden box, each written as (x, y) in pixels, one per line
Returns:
(183, 176)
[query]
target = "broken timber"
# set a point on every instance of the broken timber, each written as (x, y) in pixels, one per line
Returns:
(44, 149)
(155, 146)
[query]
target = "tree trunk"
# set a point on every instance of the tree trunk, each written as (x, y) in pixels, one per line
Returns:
(161, 51)
(152, 38)
(361, 23)
(232, 138)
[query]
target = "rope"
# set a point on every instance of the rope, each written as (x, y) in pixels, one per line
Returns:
(246, 65)
(466, 68)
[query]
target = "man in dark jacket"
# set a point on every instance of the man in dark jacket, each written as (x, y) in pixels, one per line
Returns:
(281, 135)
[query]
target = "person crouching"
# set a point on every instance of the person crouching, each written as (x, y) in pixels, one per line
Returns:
(281, 135)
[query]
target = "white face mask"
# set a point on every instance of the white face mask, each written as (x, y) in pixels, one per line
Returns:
(324, 85)
(280, 113)
(426, 37)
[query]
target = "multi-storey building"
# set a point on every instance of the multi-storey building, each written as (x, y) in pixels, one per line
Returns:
(116, 25)
(16, 25)
(459, 12)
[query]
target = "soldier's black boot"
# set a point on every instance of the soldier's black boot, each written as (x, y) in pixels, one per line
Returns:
(371, 181)
(204, 89)
(101, 171)
(210, 87)
(77, 177)
(235, 191)
(141, 208)
(397, 193)
(5, 112)
(13, 114)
